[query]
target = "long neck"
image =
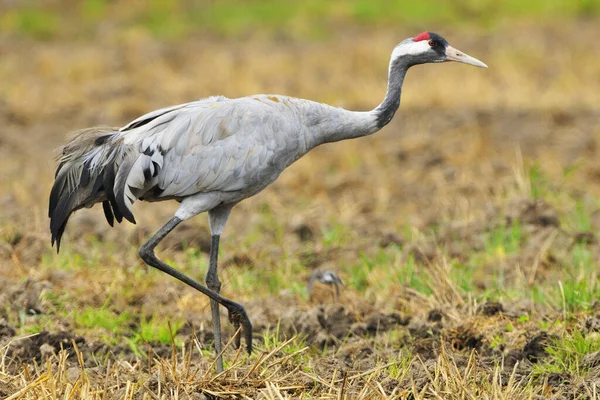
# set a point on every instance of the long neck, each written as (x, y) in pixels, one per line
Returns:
(388, 107)
(352, 124)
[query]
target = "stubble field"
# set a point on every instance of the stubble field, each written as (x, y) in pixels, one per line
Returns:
(465, 232)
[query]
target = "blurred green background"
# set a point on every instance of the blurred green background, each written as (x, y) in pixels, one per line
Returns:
(298, 19)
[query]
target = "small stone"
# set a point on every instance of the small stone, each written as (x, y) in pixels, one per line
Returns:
(73, 374)
(46, 350)
(591, 360)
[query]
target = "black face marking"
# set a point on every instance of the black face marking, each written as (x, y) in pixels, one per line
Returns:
(435, 53)
(439, 44)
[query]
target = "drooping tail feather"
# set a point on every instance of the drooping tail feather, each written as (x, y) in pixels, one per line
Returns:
(85, 175)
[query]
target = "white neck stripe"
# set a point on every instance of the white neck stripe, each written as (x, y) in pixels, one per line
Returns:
(414, 48)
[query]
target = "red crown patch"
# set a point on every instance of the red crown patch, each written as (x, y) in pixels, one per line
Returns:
(422, 36)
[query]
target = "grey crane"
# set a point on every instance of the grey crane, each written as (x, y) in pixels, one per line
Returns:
(211, 154)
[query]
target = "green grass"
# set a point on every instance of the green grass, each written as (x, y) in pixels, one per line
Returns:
(503, 240)
(273, 338)
(539, 182)
(103, 318)
(579, 288)
(232, 17)
(400, 368)
(413, 275)
(580, 216)
(159, 330)
(462, 275)
(33, 22)
(566, 354)
(336, 234)
(358, 274)
(308, 19)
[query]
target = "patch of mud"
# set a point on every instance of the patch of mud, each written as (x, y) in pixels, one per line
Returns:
(533, 351)
(464, 337)
(535, 348)
(6, 331)
(532, 212)
(24, 297)
(327, 325)
(41, 345)
(490, 308)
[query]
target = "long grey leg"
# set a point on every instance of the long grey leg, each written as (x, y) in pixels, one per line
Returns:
(214, 284)
(237, 314)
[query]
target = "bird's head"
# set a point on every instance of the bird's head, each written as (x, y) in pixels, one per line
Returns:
(429, 47)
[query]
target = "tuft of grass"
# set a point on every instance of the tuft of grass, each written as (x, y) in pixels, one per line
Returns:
(462, 275)
(504, 240)
(580, 218)
(336, 234)
(273, 339)
(412, 274)
(579, 289)
(565, 355)
(158, 330)
(539, 183)
(400, 368)
(103, 318)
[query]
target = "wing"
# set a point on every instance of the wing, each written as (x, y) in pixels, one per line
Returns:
(205, 146)
(149, 117)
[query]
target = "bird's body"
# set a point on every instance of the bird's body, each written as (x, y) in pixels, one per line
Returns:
(211, 154)
(218, 150)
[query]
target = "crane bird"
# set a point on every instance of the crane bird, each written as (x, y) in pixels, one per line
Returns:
(211, 154)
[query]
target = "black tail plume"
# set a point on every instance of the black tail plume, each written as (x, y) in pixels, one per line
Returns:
(86, 166)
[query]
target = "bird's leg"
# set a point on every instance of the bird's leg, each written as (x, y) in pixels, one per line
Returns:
(217, 218)
(237, 314)
(214, 284)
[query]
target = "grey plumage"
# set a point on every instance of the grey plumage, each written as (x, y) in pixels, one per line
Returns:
(229, 147)
(212, 153)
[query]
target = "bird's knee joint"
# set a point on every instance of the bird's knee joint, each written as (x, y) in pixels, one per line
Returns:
(213, 283)
(146, 254)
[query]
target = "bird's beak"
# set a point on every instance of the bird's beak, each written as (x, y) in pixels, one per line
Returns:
(456, 55)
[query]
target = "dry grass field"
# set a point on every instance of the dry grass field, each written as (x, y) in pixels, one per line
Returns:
(465, 232)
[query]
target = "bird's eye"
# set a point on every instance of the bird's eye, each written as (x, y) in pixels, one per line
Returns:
(431, 43)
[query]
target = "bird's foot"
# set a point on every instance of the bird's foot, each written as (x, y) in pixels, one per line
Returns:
(238, 317)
